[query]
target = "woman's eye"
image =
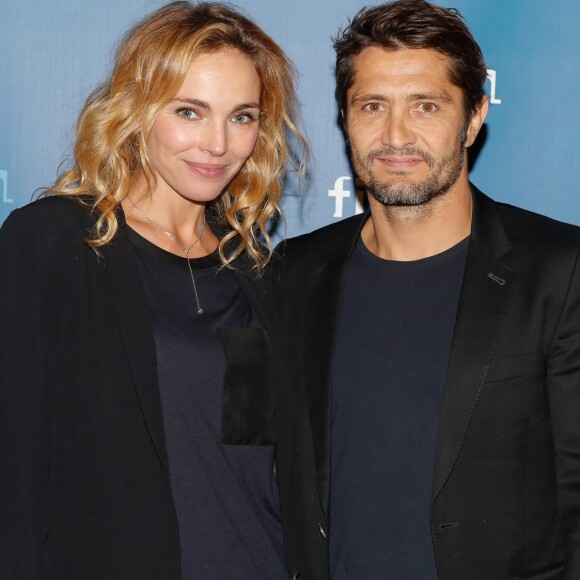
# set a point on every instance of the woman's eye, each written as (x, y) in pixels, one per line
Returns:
(187, 113)
(243, 118)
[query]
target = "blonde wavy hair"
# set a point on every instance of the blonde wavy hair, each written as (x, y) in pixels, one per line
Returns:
(150, 66)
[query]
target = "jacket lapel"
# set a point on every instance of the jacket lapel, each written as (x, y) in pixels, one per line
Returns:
(132, 311)
(485, 295)
(323, 298)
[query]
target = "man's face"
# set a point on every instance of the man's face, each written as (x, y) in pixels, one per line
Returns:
(407, 126)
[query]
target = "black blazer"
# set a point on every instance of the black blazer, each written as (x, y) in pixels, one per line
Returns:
(84, 485)
(506, 483)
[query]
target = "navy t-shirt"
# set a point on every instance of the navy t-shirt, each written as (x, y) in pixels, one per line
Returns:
(390, 361)
(226, 496)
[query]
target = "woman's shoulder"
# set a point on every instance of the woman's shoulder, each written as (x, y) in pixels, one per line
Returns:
(48, 227)
(53, 207)
(49, 216)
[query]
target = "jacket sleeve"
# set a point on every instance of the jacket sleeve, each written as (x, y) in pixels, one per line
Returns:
(564, 396)
(27, 333)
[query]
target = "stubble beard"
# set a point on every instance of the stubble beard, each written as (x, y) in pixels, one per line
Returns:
(441, 177)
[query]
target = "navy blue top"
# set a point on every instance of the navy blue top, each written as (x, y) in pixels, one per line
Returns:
(390, 361)
(225, 496)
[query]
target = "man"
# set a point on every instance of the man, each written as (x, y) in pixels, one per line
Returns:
(434, 341)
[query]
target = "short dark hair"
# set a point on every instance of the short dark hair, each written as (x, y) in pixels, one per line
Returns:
(412, 24)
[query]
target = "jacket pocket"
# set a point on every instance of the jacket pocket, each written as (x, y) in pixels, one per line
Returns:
(248, 402)
(515, 367)
(556, 573)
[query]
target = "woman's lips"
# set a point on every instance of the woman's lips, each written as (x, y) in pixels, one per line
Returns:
(207, 169)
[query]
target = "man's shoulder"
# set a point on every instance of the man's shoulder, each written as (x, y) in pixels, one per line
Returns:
(525, 226)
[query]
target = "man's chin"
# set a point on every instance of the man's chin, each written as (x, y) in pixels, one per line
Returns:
(398, 202)
(404, 195)
(406, 203)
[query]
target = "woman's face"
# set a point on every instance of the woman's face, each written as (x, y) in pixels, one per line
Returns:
(202, 138)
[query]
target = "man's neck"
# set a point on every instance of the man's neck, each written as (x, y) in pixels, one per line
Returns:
(413, 233)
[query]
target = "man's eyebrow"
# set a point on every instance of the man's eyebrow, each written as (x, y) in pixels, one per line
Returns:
(364, 97)
(422, 96)
(430, 96)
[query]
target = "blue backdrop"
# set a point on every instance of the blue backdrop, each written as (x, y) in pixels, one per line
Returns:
(53, 53)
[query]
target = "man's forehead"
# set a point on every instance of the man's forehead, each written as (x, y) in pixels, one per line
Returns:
(401, 60)
(413, 70)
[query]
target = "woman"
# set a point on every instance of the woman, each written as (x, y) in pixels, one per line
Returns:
(127, 294)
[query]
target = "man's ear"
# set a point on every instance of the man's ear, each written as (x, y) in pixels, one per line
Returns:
(476, 121)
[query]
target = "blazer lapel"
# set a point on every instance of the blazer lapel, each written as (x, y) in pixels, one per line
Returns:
(323, 300)
(132, 309)
(485, 295)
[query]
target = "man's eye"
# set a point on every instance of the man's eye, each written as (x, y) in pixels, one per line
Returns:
(373, 107)
(427, 108)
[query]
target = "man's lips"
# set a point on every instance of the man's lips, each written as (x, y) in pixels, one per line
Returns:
(206, 169)
(400, 162)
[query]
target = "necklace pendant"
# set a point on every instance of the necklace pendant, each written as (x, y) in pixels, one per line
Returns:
(182, 248)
